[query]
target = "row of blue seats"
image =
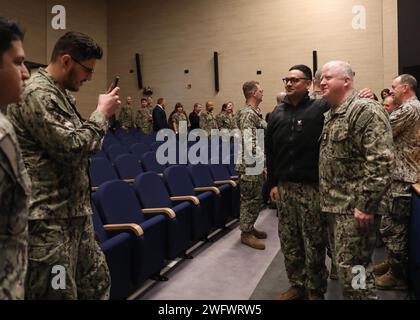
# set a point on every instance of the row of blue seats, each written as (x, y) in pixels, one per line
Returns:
(414, 244)
(127, 167)
(193, 203)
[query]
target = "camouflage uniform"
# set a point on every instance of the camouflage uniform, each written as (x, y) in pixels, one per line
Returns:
(300, 219)
(177, 118)
(405, 123)
(356, 162)
(251, 185)
(142, 121)
(56, 145)
(126, 116)
(226, 121)
(208, 121)
(14, 195)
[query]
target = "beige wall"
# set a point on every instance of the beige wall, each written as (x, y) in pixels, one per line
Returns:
(89, 17)
(32, 16)
(390, 41)
(268, 35)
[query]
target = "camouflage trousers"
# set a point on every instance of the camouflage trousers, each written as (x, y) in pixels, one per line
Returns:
(353, 248)
(13, 263)
(69, 244)
(395, 226)
(302, 232)
(251, 201)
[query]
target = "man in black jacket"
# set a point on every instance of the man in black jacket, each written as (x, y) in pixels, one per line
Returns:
(292, 149)
(159, 116)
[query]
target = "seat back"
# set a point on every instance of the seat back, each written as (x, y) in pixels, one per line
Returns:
(138, 150)
(152, 191)
(201, 176)
(150, 163)
(100, 171)
(179, 181)
(116, 150)
(127, 166)
(219, 172)
(116, 202)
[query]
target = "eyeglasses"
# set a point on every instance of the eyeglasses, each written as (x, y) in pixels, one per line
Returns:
(293, 80)
(89, 70)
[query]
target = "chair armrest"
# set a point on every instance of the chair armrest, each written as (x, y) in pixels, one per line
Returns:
(212, 189)
(193, 199)
(135, 228)
(416, 188)
(129, 181)
(231, 182)
(168, 211)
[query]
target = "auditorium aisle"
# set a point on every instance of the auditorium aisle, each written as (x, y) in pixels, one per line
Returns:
(229, 270)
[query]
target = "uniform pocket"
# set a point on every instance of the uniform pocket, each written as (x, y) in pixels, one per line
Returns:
(401, 204)
(340, 142)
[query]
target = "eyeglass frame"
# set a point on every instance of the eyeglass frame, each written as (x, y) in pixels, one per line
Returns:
(90, 70)
(294, 81)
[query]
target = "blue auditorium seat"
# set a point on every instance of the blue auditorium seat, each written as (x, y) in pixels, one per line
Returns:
(203, 181)
(116, 150)
(150, 163)
(118, 253)
(179, 184)
(155, 198)
(414, 243)
(127, 167)
(221, 176)
(100, 171)
(138, 150)
(117, 203)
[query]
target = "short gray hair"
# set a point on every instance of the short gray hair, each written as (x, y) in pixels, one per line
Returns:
(409, 80)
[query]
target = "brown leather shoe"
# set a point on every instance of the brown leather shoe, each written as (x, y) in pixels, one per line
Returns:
(259, 234)
(391, 281)
(250, 240)
(380, 268)
(294, 293)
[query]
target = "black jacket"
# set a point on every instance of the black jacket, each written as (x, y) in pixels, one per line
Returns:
(194, 121)
(159, 119)
(292, 141)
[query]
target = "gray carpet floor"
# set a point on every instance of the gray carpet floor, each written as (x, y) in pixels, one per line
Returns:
(229, 270)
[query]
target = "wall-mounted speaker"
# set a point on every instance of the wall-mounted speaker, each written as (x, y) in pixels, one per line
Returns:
(138, 69)
(216, 71)
(314, 61)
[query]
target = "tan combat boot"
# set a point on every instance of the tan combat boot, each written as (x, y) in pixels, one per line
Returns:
(380, 268)
(259, 234)
(250, 240)
(391, 280)
(294, 293)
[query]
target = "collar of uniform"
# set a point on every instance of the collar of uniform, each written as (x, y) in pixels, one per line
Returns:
(257, 110)
(345, 105)
(66, 93)
(410, 100)
(302, 102)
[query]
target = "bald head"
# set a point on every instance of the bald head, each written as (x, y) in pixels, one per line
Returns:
(280, 97)
(389, 104)
(336, 82)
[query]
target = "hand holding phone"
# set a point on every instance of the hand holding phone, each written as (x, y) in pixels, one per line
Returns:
(114, 84)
